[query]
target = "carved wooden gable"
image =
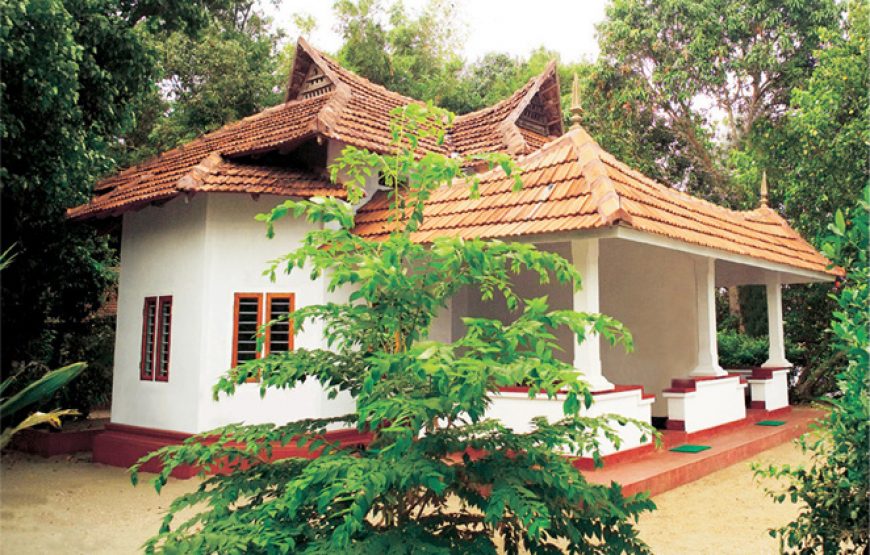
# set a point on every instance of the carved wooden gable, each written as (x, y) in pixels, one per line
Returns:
(316, 83)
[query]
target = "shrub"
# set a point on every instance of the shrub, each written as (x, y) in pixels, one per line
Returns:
(438, 476)
(835, 489)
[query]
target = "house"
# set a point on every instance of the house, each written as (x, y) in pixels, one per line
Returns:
(191, 290)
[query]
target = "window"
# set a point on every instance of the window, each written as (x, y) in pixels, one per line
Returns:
(156, 338)
(164, 329)
(279, 336)
(248, 316)
(252, 310)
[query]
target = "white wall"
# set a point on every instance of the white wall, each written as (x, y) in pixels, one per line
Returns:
(236, 254)
(162, 253)
(652, 291)
(527, 286)
(202, 251)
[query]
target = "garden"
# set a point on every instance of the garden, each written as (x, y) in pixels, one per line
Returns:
(436, 473)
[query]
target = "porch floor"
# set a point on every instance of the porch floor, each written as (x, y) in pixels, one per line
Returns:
(663, 470)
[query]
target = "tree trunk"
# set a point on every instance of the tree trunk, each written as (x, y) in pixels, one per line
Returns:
(734, 308)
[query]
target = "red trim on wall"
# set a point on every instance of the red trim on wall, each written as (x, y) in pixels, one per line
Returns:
(616, 389)
(765, 373)
(123, 445)
(146, 363)
(689, 384)
(158, 344)
(588, 463)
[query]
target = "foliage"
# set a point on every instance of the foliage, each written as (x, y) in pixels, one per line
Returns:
(412, 54)
(71, 71)
(438, 476)
(688, 62)
(739, 350)
(226, 72)
(835, 490)
(33, 393)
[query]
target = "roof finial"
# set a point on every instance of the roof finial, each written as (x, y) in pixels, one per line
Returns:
(763, 187)
(576, 108)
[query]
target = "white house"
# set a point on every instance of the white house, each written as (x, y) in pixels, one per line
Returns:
(191, 290)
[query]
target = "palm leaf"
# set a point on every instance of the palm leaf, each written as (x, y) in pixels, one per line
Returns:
(36, 419)
(41, 388)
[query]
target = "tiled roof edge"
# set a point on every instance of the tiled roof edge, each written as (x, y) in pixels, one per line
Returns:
(328, 115)
(604, 196)
(514, 140)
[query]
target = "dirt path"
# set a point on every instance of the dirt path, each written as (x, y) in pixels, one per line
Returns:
(70, 506)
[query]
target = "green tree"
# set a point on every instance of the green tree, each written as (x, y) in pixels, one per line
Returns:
(716, 73)
(230, 70)
(412, 54)
(71, 71)
(437, 476)
(823, 155)
(834, 491)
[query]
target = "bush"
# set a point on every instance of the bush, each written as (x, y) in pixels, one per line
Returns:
(739, 350)
(438, 476)
(834, 491)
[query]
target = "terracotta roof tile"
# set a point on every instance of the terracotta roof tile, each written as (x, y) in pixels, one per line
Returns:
(571, 184)
(351, 109)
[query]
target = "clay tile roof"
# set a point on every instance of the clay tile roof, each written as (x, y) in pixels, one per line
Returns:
(323, 100)
(158, 178)
(499, 128)
(572, 184)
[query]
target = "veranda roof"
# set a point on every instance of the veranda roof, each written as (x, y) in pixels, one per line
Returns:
(572, 184)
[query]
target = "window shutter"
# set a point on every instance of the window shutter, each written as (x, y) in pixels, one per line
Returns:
(247, 319)
(164, 334)
(149, 331)
(279, 336)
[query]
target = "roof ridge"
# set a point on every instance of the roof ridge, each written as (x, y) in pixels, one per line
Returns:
(515, 140)
(606, 200)
(199, 172)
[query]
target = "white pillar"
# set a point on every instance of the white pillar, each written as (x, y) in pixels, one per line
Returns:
(705, 292)
(776, 350)
(587, 355)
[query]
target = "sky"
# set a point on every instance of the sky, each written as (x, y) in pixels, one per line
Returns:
(513, 26)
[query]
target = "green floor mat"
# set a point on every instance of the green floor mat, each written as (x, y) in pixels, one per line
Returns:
(770, 423)
(689, 448)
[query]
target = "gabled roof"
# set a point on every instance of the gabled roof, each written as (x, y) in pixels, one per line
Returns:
(527, 120)
(572, 184)
(324, 100)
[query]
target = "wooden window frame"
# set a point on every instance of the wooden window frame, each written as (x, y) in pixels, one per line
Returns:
(158, 344)
(291, 297)
(146, 362)
(234, 362)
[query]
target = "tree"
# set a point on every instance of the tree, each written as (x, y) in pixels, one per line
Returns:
(71, 71)
(716, 73)
(834, 491)
(822, 152)
(438, 475)
(230, 70)
(414, 55)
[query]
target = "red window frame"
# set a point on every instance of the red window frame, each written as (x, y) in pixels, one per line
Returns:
(264, 308)
(146, 363)
(291, 299)
(236, 301)
(163, 351)
(156, 339)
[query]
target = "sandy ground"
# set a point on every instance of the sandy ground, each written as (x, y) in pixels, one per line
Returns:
(68, 505)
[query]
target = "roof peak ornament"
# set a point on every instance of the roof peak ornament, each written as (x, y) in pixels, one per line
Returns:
(764, 201)
(576, 108)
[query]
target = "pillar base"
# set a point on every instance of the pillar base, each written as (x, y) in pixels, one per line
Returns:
(708, 371)
(779, 364)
